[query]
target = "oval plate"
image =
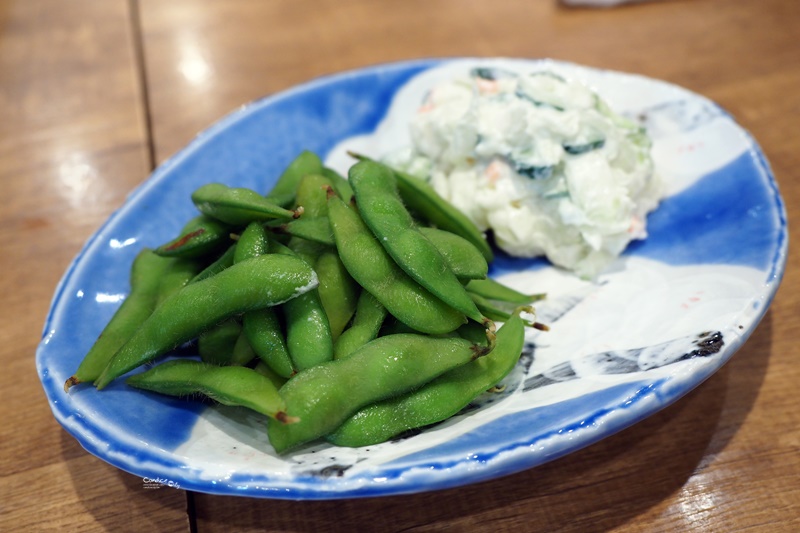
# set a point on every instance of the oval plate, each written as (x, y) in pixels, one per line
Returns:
(667, 315)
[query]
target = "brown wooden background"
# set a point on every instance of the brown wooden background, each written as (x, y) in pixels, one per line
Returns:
(94, 93)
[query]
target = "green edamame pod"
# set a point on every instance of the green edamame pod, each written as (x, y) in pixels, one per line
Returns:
(308, 331)
(265, 334)
(421, 197)
(340, 185)
(216, 345)
(252, 284)
(496, 310)
(228, 385)
(199, 237)
(438, 400)
(243, 352)
(145, 279)
(252, 243)
(307, 250)
(316, 229)
(312, 194)
(261, 327)
(179, 274)
(237, 206)
(338, 291)
(384, 213)
(466, 261)
(491, 309)
(313, 225)
(313, 198)
(298, 249)
(372, 267)
(264, 369)
(324, 396)
(369, 316)
(283, 193)
(494, 290)
(221, 263)
(392, 326)
(473, 332)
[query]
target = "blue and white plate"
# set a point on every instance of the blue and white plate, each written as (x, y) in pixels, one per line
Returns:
(667, 315)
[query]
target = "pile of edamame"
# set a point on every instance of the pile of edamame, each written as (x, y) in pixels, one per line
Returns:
(346, 309)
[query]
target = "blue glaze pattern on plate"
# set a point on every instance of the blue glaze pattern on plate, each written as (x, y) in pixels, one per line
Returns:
(715, 212)
(549, 421)
(619, 349)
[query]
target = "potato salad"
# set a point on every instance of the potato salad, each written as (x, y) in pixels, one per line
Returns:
(539, 160)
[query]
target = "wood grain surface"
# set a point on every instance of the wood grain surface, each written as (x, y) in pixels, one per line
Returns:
(93, 93)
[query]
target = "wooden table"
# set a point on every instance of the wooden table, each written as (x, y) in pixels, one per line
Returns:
(94, 93)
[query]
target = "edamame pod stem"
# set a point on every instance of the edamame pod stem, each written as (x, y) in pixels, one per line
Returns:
(421, 197)
(438, 400)
(283, 193)
(237, 206)
(324, 396)
(494, 290)
(372, 267)
(252, 284)
(145, 279)
(228, 385)
(367, 322)
(384, 213)
(199, 237)
(466, 261)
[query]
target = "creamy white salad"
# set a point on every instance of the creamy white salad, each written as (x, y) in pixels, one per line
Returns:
(539, 160)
